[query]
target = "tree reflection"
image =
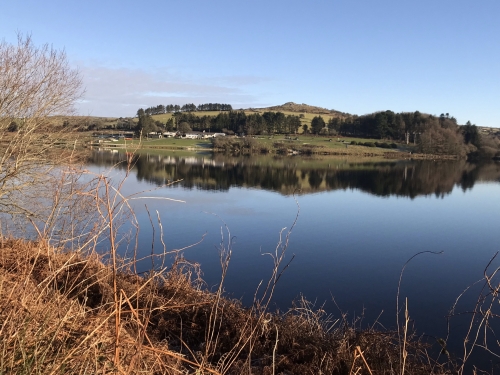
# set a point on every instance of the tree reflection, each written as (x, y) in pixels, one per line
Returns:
(288, 175)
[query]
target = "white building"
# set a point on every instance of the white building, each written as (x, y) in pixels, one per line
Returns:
(155, 135)
(169, 134)
(192, 136)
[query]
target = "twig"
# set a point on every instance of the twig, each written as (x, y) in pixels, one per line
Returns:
(364, 360)
(399, 290)
(274, 351)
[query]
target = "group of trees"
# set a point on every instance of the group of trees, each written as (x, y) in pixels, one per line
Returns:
(214, 107)
(173, 108)
(404, 126)
(228, 122)
(147, 124)
(382, 125)
(239, 122)
(432, 134)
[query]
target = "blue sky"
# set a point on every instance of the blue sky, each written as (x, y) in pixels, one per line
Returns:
(356, 56)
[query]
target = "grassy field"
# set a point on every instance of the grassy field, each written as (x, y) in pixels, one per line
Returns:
(324, 142)
(327, 144)
(314, 145)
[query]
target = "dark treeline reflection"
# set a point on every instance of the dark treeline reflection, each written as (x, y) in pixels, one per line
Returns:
(289, 174)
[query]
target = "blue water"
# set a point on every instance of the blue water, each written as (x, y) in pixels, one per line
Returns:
(348, 245)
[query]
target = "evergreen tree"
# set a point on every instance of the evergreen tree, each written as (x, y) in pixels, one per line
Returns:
(170, 124)
(471, 134)
(146, 125)
(317, 124)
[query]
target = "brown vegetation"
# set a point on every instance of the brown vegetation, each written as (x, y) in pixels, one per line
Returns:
(59, 315)
(304, 108)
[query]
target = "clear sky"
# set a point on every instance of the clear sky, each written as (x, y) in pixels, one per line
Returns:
(356, 56)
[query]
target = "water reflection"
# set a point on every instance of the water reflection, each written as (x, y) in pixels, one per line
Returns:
(287, 175)
(348, 245)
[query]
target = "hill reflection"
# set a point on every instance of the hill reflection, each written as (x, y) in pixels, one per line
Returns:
(290, 174)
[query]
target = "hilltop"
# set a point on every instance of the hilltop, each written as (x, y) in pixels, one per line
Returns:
(304, 108)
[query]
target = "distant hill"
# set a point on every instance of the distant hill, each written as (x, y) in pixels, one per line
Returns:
(304, 108)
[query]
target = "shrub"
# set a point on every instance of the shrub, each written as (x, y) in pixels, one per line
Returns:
(369, 144)
(226, 144)
(250, 143)
(394, 145)
(354, 143)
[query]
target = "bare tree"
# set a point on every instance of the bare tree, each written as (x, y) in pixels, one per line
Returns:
(35, 84)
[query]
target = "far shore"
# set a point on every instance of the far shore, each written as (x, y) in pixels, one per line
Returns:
(279, 145)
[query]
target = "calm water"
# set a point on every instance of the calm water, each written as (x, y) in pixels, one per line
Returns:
(359, 222)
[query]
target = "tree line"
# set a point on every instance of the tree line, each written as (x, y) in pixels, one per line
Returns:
(383, 179)
(173, 108)
(231, 122)
(427, 133)
(431, 134)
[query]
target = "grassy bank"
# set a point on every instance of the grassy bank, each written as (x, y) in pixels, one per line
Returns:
(352, 147)
(72, 313)
(344, 147)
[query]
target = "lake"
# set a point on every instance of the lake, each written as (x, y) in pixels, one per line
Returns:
(358, 223)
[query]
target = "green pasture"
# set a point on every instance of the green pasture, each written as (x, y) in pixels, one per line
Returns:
(330, 142)
(335, 144)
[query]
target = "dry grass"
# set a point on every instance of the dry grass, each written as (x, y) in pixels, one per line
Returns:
(58, 315)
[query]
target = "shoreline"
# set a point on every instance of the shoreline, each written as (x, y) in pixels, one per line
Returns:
(390, 155)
